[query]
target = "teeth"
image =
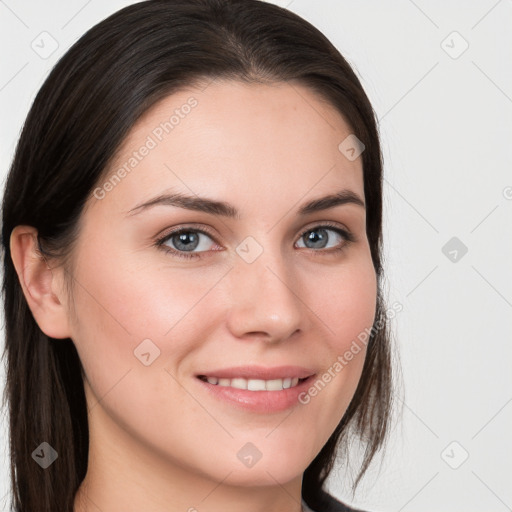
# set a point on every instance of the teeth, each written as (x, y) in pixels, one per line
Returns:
(255, 384)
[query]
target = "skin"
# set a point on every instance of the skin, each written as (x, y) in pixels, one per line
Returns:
(158, 441)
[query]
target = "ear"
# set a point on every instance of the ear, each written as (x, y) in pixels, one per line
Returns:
(42, 286)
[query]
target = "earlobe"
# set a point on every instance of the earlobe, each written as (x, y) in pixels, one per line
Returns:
(41, 285)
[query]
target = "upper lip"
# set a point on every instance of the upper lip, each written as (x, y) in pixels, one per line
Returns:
(260, 372)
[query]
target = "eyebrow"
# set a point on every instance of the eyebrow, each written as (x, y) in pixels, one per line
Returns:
(223, 209)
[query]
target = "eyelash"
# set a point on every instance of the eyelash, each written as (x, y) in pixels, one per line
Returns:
(347, 235)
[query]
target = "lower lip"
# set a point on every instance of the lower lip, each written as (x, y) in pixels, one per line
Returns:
(259, 401)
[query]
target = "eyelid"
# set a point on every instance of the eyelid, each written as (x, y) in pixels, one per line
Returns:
(183, 227)
(324, 223)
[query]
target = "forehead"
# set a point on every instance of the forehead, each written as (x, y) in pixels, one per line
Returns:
(254, 140)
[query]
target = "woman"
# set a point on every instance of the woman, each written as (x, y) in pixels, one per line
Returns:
(192, 267)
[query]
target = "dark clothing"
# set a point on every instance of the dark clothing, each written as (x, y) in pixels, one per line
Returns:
(329, 504)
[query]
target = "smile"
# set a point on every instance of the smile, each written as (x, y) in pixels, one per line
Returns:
(254, 384)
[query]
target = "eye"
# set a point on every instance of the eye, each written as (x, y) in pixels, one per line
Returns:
(318, 237)
(182, 242)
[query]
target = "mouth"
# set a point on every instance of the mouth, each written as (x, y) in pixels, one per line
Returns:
(256, 395)
(255, 384)
(256, 388)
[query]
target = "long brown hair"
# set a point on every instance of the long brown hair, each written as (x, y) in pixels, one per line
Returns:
(84, 110)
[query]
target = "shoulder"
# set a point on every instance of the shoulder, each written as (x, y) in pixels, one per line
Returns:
(328, 503)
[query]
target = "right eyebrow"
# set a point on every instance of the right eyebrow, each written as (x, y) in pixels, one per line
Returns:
(196, 203)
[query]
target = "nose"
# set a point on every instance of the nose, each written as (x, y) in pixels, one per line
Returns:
(265, 299)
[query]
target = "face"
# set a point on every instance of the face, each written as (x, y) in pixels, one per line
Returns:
(167, 290)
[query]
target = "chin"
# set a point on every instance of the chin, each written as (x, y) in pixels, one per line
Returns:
(250, 466)
(263, 475)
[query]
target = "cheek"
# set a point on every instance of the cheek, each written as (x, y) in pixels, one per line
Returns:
(120, 296)
(127, 307)
(348, 307)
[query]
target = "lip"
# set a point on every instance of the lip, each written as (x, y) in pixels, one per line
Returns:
(260, 372)
(265, 402)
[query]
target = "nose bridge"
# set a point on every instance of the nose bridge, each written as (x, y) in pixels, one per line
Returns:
(264, 296)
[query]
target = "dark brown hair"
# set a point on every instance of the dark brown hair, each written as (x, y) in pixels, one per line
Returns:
(80, 116)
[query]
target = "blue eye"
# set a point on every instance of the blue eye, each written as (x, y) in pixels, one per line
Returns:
(183, 241)
(319, 236)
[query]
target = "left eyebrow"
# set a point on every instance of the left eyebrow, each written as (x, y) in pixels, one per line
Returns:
(325, 203)
(221, 208)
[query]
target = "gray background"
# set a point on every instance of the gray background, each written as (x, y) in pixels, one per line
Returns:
(445, 116)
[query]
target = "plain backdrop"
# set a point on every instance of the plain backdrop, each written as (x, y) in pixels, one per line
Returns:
(438, 74)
